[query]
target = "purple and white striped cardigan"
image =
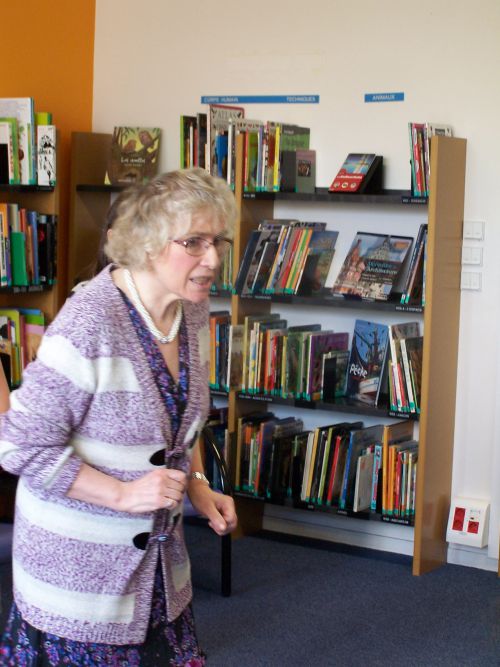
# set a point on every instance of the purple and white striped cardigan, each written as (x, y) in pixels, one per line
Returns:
(91, 396)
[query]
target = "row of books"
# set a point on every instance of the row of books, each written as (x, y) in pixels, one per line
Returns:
(270, 148)
(405, 367)
(28, 246)
(347, 465)
(21, 331)
(267, 357)
(420, 158)
(224, 280)
(293, 257)
(27, 143)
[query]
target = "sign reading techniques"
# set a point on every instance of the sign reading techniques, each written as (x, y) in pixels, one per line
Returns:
(260, 99)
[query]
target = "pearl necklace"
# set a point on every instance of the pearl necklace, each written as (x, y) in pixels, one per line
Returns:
(136, 300)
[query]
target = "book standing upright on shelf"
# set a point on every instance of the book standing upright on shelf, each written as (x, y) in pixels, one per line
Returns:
(219, 117)
(367, 360)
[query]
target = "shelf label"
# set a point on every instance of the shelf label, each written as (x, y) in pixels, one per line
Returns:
(260, 99)
(384, 97)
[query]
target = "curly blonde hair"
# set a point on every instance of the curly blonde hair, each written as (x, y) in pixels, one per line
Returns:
(162, 209)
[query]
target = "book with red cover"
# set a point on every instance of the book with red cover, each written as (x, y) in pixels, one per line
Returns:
(359, 173)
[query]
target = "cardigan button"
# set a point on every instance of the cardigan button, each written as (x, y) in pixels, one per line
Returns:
(141, 540)
(162, 538)
(158, 458)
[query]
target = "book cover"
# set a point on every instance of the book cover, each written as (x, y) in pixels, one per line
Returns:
(401, 431)
(354, 172)
(359, 441)
(334, 375)
(305, 171)
(320, 343)
(9, 133)
(235, 356)
(201, 139)
(218, 119)
(372, 265)
(265, 237)
(22, 109)
(187, 142)
(396, 333)
(318, 262)
(46, 154)
(366, 363)
(133, 155)
(363, 485)
(414, 351)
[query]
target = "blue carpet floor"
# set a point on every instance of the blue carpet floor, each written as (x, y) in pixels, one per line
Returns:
(304, 606)
(295, 605)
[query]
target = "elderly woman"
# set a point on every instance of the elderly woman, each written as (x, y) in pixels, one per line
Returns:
(104, 436)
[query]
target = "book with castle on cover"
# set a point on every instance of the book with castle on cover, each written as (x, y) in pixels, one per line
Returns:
(133, 156)
(372, 266)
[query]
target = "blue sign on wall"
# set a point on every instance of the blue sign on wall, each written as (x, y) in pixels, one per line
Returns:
(260, 99)
(384, 97)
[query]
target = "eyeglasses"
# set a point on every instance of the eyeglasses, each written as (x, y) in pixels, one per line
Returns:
(196, 246)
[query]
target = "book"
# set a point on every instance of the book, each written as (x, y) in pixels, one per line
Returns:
(22, 109)
(396, 333)
(9, 139)
(187, 141)
(218, 119)
(359, 440)
(318, 261)
(305, 170)
(200, 140)
(363, 485)
(133, 156)
(413, 351)
(334, 375)
(372, 266)
(366, 362)
(235, 357)
(46, 154)
(358, 173)
(319, 343)
(397, 432)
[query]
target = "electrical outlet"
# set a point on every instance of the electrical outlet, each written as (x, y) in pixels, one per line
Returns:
(472, 255)
(473, 230)
(470, 280)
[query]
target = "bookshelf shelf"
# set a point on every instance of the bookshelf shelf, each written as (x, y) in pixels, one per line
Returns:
(26, 188)
(341, 405)
(92, 187)
(440, 319)
(386, 197)
(330, 301)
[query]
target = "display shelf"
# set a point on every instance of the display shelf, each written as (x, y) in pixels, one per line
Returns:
(440, 321)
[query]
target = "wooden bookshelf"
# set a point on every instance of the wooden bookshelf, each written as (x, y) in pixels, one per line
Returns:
(440, 325)
(49, 299)
(90, 199)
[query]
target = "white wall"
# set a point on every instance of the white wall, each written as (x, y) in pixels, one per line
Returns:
(154, 59)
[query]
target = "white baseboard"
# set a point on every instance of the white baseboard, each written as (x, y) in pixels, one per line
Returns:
(336, 528)
(460, 554)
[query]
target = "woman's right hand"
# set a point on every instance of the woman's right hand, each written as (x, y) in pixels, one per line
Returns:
(160, 489)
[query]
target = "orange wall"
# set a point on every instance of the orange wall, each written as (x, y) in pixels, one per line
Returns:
(48, 54)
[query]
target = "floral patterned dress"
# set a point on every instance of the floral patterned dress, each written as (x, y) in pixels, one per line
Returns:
(167, 644)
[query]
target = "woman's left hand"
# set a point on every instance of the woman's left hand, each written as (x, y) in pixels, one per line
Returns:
(216, 507)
